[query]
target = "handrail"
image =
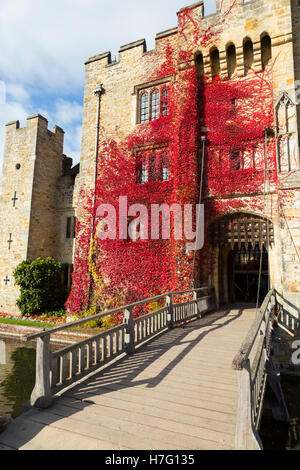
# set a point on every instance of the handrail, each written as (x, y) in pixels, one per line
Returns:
(57, 370)
(106, 313)
(254, 367)
(244, 352)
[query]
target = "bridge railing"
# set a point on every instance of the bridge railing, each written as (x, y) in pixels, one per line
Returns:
(254, 365)
(251, 364)
(58, 370)
(286, 320)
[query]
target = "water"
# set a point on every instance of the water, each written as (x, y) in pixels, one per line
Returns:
(17, 376)
(277, 435)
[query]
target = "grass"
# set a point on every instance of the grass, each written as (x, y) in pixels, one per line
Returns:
(37, 324)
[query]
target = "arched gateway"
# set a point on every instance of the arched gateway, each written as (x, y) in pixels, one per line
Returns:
(242, 243)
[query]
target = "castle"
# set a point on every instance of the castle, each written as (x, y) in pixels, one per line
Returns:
(211, 110)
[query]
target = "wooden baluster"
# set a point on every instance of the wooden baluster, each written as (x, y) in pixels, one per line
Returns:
(63, 369)
(89, 355)
(97, 351)
(111, 345)
(54, 372)
(81, 359)
(73, 363)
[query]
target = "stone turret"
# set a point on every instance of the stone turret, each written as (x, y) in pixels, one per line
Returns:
(31, 167)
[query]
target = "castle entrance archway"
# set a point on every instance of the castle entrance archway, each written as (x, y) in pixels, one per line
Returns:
(242, 243)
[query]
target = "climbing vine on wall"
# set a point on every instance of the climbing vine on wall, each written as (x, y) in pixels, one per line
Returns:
(234, 115)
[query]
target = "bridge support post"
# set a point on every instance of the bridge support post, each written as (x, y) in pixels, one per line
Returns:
(129, 335)
(197, 310)
(41, 394)
(170, 314)
(246, 437)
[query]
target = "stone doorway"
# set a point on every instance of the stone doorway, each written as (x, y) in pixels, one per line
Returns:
(242, 243)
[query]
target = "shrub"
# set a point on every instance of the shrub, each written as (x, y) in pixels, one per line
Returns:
(40, 283)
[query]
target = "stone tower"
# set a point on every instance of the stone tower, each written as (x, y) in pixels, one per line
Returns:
(31, 167)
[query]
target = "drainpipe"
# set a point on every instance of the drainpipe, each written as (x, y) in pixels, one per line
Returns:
(99, 91)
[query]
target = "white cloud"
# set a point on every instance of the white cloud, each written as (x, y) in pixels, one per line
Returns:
(47, 43)
(44, 46)
(17, 92)
(67, 112)
(73, 143)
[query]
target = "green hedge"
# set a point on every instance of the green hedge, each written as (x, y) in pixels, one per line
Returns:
(41, 288)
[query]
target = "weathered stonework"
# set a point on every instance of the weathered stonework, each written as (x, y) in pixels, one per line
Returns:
(29, 211)
(248, 20)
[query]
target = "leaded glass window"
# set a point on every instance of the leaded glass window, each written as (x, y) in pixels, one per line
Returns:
(154, 105)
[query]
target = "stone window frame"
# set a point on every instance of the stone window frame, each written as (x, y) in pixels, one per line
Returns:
(150, 88)
(70, 232)
(154, 168)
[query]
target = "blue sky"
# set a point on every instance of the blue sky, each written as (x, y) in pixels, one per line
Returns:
(44, 46)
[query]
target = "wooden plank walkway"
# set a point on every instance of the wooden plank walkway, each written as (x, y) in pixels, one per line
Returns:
(177, 392)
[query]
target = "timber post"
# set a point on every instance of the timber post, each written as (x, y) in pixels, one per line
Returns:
(41, 394)
(129, 335)
(170, 314)
(246, 436)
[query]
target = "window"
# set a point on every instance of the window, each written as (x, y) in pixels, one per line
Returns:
(165, 173)
(165, 102)
(152, 165)
(153, 103)
(215, 63)
(74, 227)
(235, 160)
(144, 107)
(165, 168)
(248, 55)
(143, 174)
(71, 227)
(231, 60)
(69, 222)
(266, 50)
(199, 63)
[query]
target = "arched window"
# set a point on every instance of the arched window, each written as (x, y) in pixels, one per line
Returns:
(144, 113)
(248, 55)
(199, 63)
(231, 60)
(266, 50)
(164, 104)
(285, 113)
(215, 63)
(154, 104)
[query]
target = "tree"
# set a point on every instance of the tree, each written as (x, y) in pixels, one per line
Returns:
(41, 288)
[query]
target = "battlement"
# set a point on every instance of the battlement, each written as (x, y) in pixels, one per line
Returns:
(38, 121)
(246, 18)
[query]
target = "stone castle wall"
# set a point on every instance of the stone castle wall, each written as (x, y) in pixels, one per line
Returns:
(32, 168)
(247, 20)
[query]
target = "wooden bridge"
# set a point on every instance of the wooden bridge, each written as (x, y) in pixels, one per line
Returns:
(177, 378)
